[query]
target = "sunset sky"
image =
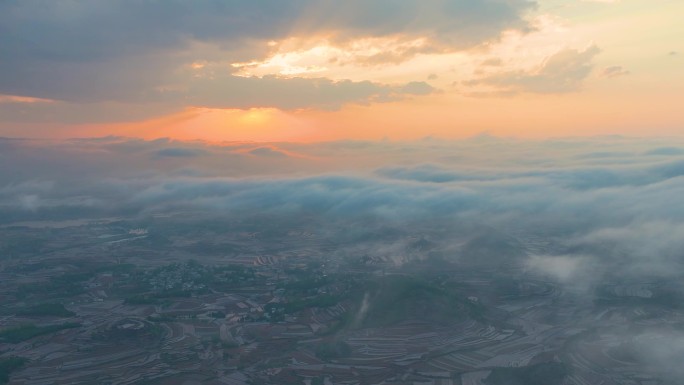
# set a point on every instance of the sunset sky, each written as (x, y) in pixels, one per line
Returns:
(320, 70)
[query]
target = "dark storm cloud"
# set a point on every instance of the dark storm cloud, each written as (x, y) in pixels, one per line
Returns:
(138, 52)
(267, 151)
(179, 152)
(295, 93)
(86, 112)
(218, 92)
(94, 31)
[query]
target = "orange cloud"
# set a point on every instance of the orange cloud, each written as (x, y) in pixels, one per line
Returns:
(22, 99)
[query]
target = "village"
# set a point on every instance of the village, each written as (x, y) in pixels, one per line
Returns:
(299, 317)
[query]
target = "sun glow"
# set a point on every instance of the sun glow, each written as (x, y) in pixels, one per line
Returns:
(255, 124)
(257, 116)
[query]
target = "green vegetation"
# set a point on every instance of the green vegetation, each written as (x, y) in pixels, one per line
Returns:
(397, 298)
(45, 310)
(276, 311)
(319, 302)
(141, 300)
(161, 318)
(331, 350)
(24, 268)
(19, 243)
(123, 268)
(229, 277)
(217, 314)
(307, 285)
(8, 365)
(378, 302)
(155, 298)
(507, 287)
(173, 294)
(148, 334)
(28, 331)
(67, 285)
(667, 298)
(549, 373)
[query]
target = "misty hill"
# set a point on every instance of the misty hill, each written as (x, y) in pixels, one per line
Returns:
(491, 248)
(549, 373)
(393, 299)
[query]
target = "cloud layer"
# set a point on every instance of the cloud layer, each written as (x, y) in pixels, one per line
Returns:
(605, 206)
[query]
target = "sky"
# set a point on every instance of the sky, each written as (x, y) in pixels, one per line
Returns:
(312, 71)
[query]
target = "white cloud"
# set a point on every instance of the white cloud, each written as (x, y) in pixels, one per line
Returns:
(563, 268)
(614, 71)
(562, 72)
